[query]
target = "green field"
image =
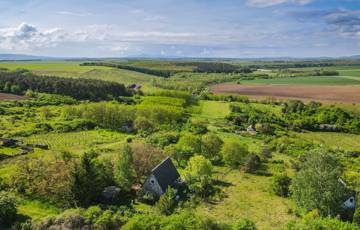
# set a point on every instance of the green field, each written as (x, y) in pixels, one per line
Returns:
(74, 70)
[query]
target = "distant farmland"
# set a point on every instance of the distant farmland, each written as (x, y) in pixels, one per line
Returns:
(347, 94)
(11, 97)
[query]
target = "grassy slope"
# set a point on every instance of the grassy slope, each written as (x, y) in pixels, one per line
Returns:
(73, 69)
(247, 195)
(334, 140)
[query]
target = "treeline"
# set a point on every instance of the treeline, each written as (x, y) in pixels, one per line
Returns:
(297, 116)
(285, 65)
(159, 73)
(82, 89)
(306, 73)
(216, 67)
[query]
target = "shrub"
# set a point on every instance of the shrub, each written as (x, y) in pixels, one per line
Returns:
(234, 154)
(281, 185)
(167, 202)
(356, 218)
(8, 212)
(243, 224)
(190, 141)
(252, 163)
(211, 146)
(163, 139)
(320, 224)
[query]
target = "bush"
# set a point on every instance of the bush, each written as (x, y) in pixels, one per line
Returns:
(211, 146)
(190, 141)
(234, 154)
(8, 212)
(243, 224)
(252, 163)
(167, 202)
(163, 139)
(281, 185)
(356, 218)
(320, 224)
(181, 221)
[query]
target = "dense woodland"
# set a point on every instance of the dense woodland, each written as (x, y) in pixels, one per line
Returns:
(19, 82)
(77, 137)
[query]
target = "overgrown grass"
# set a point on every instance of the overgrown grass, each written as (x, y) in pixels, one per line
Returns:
(36, 209)
(248, 196)
(334, 140)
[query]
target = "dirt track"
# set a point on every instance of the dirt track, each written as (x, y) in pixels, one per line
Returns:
(10, 97)
(347, 94)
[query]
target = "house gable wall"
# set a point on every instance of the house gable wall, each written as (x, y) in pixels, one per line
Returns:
(152, 185)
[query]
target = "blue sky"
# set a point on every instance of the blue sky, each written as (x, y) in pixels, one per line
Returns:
(181, 28)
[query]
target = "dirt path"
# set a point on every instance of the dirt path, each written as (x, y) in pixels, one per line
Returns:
(347, 94)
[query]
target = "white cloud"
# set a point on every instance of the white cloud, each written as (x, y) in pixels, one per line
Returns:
(267, 3)
(27, 36)
(70, 13)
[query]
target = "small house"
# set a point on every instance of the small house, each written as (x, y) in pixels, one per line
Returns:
(349, 198)
(164, 175)
(251, 130)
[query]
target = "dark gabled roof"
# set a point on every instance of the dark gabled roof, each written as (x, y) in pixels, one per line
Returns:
(166, 173)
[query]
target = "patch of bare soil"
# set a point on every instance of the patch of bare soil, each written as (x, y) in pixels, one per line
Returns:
(346, 94)
(11, 97)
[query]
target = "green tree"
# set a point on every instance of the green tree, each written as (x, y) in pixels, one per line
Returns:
(124, 169)
(317, 186)
(211, 146)
(8, 211)
(191, 141)
(88, 183)
(234, 154)
(198, 175)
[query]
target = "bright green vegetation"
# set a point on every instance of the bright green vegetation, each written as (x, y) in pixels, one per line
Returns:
(249, 196)
(49, 66)
(77, 142)
(69, 150)
(345, 141)
(315, 80)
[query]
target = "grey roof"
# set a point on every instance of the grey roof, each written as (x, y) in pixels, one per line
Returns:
(166, 173)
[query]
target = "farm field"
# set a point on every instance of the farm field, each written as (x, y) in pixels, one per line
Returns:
(9, 97)
(346, 94)
(311, 80)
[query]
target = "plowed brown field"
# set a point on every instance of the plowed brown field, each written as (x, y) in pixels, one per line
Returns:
(347, 94)
(10, 97)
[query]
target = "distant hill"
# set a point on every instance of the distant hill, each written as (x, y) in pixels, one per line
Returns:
(21, 57)
(24, 57)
